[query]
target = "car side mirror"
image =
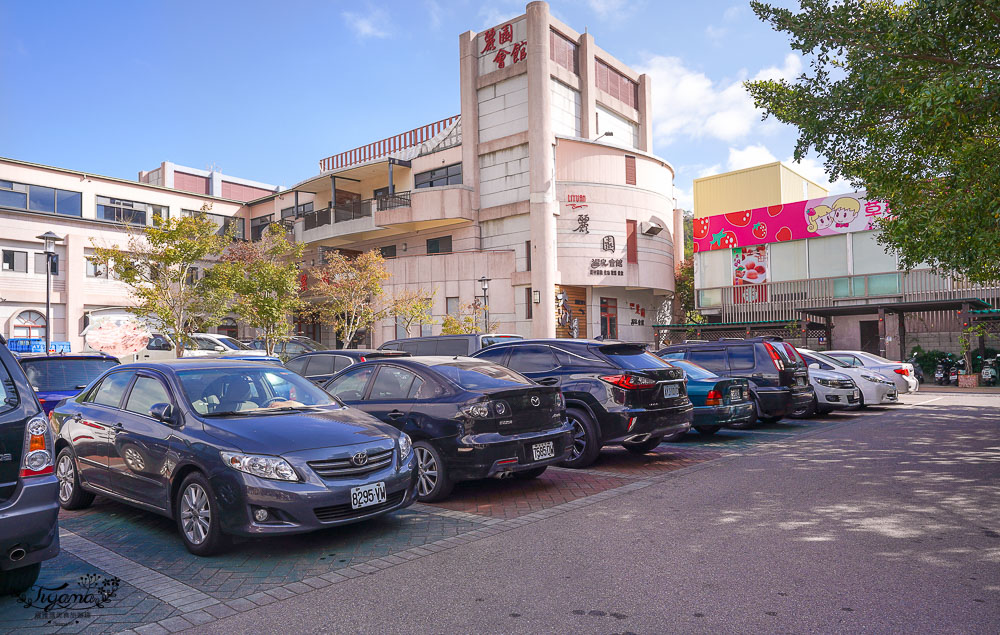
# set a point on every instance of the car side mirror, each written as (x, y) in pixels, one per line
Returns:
(162, 412)
(814, 366)
(219, 348)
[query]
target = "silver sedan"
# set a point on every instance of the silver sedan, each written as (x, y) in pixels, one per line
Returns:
(899, 372)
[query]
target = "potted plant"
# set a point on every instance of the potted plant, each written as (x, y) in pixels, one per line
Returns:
(969, 379)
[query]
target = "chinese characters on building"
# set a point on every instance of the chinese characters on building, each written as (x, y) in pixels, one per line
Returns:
(583, 224)
(494, 41)
(640, 311)
(607, 266)
(608, 244)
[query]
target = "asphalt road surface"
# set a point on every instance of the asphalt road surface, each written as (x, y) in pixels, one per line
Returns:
(887, 522)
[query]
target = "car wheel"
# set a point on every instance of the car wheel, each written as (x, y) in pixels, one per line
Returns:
(197, 513)
(433, 483)
(586, 445)
(708, 430)
(645, 446)
(861, 402)
(527, 475)
(19, 580)
(71, 495)
(806, 411)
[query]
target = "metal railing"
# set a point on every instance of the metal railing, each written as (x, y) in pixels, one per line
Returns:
(779, 301)
(354, 210)
(385, 147)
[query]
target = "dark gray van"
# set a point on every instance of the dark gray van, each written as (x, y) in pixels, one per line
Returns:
(447, 344)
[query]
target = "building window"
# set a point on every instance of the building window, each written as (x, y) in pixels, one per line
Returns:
(629, 170)
(132, 212)
(40, 259)
(451, 306)
(228, 328)
(40, 199)
(447, 175)
(562, 51)
(617, 85)
(527, 254)
(631, 242)
(527, 303)
(389, 251)
(29, 324)
(441, 245)
(224, 222)
(15, 261)
(609, 318)
(258, 224)
(96, 269)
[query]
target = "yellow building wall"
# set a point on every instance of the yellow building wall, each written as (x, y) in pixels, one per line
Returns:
(749, 188)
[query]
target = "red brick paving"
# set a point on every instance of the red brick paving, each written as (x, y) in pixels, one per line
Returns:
(511, 498)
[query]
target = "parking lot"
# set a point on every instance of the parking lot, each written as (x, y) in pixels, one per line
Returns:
(161, 585)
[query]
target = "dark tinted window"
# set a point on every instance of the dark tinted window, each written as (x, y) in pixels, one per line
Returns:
(493, 354)
(110, 392)
(8, 395)
(320, 365)
(64, 374)
(158, 343)
(672, 355)
(146, 392)
(393, 382)
(478, 375)
(809, 359)
(488, 340)
(692, 370)
(531, 359)
(453, 346)
(638, 361)
(340, 363)
(741, 357)
(297, 365)
(713, 359)
(294, 348)
(351, 385)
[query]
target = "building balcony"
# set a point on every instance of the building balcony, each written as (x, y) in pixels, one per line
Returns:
(780, 301)
(388, 215)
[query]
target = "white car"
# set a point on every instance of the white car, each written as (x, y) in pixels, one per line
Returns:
(899, 372)
(875, 388)
(833, 391)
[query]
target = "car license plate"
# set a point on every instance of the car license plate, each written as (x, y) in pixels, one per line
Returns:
(735, 394)
(800, 382)
(545, 450)
(367, 495)
(857, 393)
(671, 390)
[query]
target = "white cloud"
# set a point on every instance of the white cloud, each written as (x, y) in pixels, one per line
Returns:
(710, 170)
(685, 198)
(607, 8)
(371, 24)
(688, 103)
(749, 157)
(732, 13)
(434, 13)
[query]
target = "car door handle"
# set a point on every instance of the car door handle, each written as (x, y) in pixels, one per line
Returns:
(395, 414)
(548, 381)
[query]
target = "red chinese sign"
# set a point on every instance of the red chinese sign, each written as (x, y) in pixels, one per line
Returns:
(503, 46)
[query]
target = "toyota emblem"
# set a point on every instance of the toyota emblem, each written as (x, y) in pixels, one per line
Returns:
(360, 458)
(535, 400)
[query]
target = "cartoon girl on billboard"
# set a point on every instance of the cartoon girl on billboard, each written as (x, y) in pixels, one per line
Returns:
(845, 209)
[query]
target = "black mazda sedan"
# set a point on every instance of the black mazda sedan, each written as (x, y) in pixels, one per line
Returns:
(228, 448)
(469, 419)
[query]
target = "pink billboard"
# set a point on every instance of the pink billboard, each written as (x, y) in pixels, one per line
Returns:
(838, 214)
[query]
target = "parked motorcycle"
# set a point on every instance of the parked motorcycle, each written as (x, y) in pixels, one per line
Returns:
(942, 372)
(956, 370)
(989, 372)
(918, 372)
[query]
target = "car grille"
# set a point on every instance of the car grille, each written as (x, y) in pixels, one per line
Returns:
(343, 512)
(335, 468)
(844, 383)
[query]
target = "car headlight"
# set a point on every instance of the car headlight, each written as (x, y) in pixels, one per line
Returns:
(405, 446)
(871, 378)
(272, 467)
(829, 383)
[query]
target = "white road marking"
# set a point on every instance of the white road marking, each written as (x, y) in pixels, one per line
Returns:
(910, 405)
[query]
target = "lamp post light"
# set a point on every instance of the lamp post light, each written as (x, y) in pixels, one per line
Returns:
(50, 239)
(484, 282)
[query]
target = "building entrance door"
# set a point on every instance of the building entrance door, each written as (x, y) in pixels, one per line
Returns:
(869, 336)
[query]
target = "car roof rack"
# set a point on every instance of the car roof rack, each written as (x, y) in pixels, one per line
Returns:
(695, 341)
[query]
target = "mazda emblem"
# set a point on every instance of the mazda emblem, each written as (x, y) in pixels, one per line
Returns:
(535, 400)
(360, 458)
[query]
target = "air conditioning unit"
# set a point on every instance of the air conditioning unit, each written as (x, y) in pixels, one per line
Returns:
(650, 229)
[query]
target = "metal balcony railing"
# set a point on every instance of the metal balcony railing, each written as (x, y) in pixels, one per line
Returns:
(354, 210)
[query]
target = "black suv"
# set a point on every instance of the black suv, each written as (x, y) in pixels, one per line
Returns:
(447, 344)
(319, 366)
(615, 392)
(779, 381)
(29, 504)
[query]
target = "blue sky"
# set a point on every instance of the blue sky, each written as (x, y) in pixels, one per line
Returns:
(263, 90)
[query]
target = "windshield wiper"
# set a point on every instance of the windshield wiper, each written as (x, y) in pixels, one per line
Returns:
(232, 413)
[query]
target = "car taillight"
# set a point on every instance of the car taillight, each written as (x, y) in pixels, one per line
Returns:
(714, 398)
(774, 356)
(792, 353)
(901, 371)
(629, 382)
(37, 459)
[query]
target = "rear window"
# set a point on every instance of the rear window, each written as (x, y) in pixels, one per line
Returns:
(640, 361)
(452, 346)
(489, 340)
(478, 375)
(694, 371)
(713, 359)
(8, 395)
(64, 374)
(741, 357)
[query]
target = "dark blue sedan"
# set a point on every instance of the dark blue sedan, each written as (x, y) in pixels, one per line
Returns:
(56, 376)
(228, 448)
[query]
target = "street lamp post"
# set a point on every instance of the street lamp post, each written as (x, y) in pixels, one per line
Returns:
(484, 282)
(50, 239)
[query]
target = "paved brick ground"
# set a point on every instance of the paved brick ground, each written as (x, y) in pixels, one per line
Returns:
(665, 458)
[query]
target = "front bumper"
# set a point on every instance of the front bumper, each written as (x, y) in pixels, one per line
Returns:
(490, 454)
(732, 414)
(837, 398)
(29, 521)
(309, 505)
(638, 425)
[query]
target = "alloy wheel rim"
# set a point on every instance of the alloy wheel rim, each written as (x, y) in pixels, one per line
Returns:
(427, 471)
(64, 474)
(196, 513)
(579, 439)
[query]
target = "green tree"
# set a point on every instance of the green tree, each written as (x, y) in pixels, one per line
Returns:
(411, 307)
(348, 291)
(684, 304)
(265, 277)
(903, 99)
(468, 320)
(161, 266)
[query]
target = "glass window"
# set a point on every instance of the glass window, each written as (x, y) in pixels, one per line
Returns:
(452, 346)
(609, 318)
(639, 360)
(479, 375)
(489, 340)
(692, 370)
(828, 256)
(389, 251)
(788, 261)
(258, 224)
(69, 203)
(741, 357)
(122, 211)
(340, 363)
(40, 259)
(440, 245)
(714, 268)
(869, 256)
(8, 395)
(110, 392)
(297, 365)
(451, 306)
(294, 348)
(531, 359)
(231, 343)
(884, 284)
(245, 389)
(810, 360)
(528, 304)
(42, 199)
(13, 197)
(713, 359)
(495, 355)
(15, 261)
(96, 269)
(447, 175)
(351, 385)
(321, 365)
(204, 343)
(393, 382)
(848, 359)
(158, 342)
(64, 374)
(146, 393)
(29, 324)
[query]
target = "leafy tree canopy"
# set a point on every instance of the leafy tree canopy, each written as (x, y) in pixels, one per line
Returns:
(903, 99)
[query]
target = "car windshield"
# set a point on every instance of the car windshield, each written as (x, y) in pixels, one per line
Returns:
(248, 390)
(311, 343)
(64, 374)
(233, 344)
(692, 370)
(481, 375)
(833, 361)
(632, 357)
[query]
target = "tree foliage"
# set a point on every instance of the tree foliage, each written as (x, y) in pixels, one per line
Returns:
(265, 277)
(160, 264)
(903, 99)
(471, 318)
(413, 306)
(684, 304)
(347, 292)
